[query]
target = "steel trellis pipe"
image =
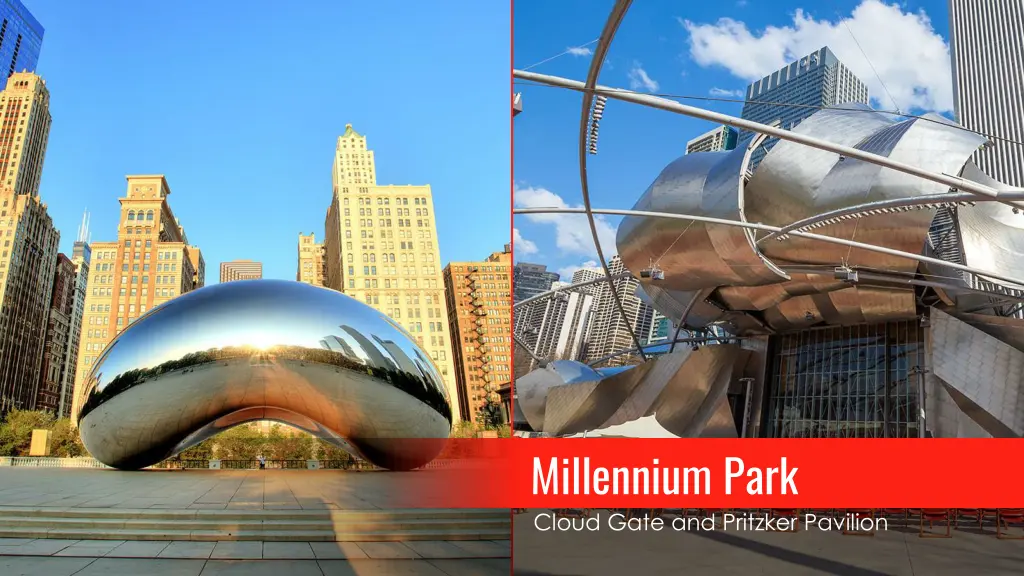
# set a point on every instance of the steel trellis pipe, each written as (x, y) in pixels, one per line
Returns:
(847, 151)
(604, 42)
(536, 297)
(765, 227)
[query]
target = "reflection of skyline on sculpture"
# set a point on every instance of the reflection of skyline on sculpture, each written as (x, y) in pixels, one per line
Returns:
(234, 352)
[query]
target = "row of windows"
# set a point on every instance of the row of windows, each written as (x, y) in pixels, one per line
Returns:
(387, 212)
(385, 201)
(402, 223)
(389, 283)
(368, 234)
(132, 215)
(411, 312)
(393, 271)
(388, 245)
(372, 258)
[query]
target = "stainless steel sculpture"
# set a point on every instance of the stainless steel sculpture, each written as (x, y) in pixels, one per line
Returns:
(790, 282)
(264, 349)
(683, 394)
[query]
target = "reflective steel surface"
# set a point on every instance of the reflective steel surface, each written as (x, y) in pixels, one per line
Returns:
(794, 182)
(264, 349)
(682, 394)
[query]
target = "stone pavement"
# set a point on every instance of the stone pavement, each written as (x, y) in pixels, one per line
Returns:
(113, 557)
(218, 489)
(896, 552)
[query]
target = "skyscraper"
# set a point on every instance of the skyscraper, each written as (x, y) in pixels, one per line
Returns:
(81, 256)
(531, 279)
(28, 258)
(21, 38)
(240, 270)
(150, 263)
(311, 261)
(721, 138)
(58, 329)
(381, 248)
(479, 296)
(609, 331)
(555, 328)
(818, 79)
(988, 80)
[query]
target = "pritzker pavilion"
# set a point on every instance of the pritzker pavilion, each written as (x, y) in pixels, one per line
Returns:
(868, 275)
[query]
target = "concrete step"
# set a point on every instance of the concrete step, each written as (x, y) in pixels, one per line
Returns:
(259, 535)
(36, 523)
(250, 515)
(267, 525)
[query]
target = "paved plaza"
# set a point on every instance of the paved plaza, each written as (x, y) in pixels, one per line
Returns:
(216, 489)
(896, 552)
(247, 491)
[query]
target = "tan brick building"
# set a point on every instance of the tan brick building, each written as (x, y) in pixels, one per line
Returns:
(479, 296)
(240, 270)
(28, 240)
(150, 263)
(311, 268)
(381, 248)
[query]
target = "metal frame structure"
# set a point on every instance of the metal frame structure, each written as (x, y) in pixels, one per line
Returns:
(962, 190)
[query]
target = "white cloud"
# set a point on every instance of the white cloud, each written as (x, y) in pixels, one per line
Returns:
(910, 57)
(565, 273)
(639, 80)
(572, 231)
(727, 93)
(521, 245)
(580, 51)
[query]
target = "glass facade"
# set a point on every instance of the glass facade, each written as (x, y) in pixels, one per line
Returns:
(845, 382)
(21, 38)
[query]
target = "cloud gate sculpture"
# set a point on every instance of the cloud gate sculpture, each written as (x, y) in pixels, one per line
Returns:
(264, 349)
(755, 284)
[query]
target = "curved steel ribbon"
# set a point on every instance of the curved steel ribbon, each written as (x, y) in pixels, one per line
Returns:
(264, 349)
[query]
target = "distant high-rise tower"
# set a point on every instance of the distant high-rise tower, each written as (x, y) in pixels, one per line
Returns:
(150, 263)
(28, 258)
(380, 244)
(721, 138)
(58, 329)
(480, 316)
(21, 38)
(818, 79)
(531, 279)
(311, 261)
(240, 270)
(555, 328)
(609, 331)
(988, 80)
(81, 256)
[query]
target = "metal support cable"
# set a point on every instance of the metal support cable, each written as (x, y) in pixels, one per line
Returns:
(957, 182)
(765, 227)
(536, 297)
(696, 339)
(862, 209)
(604, 42)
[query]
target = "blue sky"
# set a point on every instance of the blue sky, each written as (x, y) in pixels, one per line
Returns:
(239, 104)
(689, 48)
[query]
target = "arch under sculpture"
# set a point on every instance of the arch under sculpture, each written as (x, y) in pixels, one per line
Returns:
(276, 350)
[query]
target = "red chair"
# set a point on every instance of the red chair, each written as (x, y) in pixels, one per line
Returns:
(1007, 517)
(974, 515)
(931, 516)
(792, 513)
(895, 513)
(714, 514)
(854, 514)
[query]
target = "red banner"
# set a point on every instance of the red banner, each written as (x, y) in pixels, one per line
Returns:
(713, 473)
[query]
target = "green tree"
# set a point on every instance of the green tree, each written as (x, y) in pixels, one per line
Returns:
(17, 427)
(239, 443)
(201, 451)
(283, 445)
(65, 441)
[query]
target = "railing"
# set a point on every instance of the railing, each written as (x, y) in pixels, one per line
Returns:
(86, 462)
